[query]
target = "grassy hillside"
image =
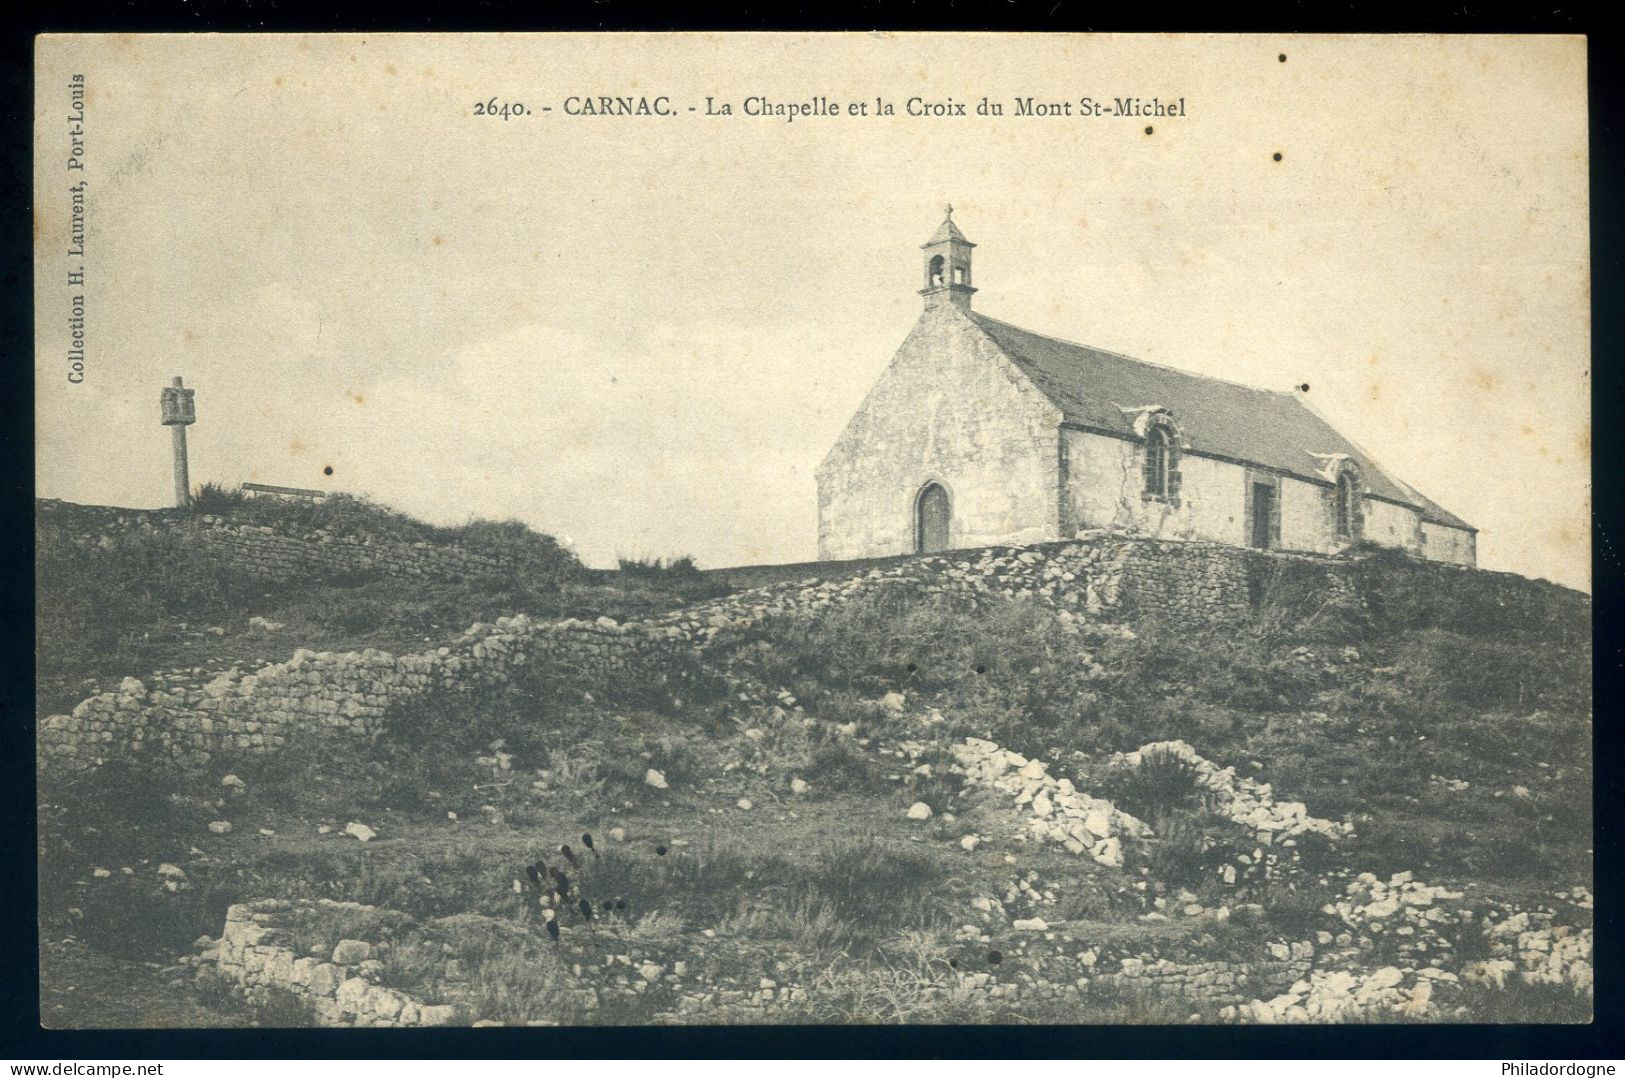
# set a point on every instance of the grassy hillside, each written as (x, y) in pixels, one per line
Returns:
(774, 872)
(159, 601)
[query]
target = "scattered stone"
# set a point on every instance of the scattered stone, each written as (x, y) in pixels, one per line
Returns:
(220, 827)
(919, 811)
(360, 831)
(654, 778)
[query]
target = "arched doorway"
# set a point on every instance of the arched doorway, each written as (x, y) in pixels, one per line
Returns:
(931, 517)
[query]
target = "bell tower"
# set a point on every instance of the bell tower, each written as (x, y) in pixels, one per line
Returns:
(947, 266)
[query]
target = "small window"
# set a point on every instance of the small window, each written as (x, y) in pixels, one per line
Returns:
(961, 275)
(1156, 462)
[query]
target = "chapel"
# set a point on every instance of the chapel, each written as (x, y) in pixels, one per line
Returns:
(980, 433)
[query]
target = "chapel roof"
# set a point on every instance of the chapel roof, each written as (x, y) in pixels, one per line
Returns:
(1101, 390)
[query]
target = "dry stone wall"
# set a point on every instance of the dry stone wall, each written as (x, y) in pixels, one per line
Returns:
(188, 722)
(189, 719)
(256, 957)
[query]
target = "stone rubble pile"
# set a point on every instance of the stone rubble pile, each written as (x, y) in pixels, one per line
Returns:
(1056, 810)
(1417, 928)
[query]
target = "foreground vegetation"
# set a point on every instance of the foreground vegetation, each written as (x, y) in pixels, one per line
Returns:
(776, 847)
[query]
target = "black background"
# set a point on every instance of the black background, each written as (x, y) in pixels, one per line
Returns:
(21, 1037)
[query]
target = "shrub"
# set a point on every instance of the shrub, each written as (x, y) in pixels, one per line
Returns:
(1179, 855)
(216, 499)
(682, 567)
(1160, 786)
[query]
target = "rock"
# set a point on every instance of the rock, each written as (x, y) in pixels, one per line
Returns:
(1042, 806)
(654, 778)
(233, 782)
(969, 843)
(893, 704)
(919, 811)
(360, 831)
(745, 804)
(441, 1015)
(173, 872)
(220, 827)
(1030, 924)
(651, 971)
(798, 786)
(1386, 977)
(351, 952)
(257, 622)
(101, 873)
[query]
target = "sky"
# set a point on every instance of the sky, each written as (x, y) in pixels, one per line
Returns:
(642, 333)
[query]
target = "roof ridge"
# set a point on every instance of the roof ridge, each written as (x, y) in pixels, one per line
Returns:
(1134, 359)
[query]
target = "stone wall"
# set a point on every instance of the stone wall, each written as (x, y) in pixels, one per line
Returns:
(188, 719)
(265, 552)
(1208, 583)
(1455, 545)
(1105, 488)
(256, 956)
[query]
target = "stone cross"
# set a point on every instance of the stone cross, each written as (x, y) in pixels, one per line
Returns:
(179, 412)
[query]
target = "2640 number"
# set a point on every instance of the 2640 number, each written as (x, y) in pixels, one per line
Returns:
(504, 109)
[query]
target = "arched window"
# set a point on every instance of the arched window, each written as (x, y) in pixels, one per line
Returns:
(1156, 461)
(932, 514)
(934, 276)
(1347, 508)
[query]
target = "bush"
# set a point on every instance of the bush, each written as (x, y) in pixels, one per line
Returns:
(215, 499)
(1161, 786)
(683, 567)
